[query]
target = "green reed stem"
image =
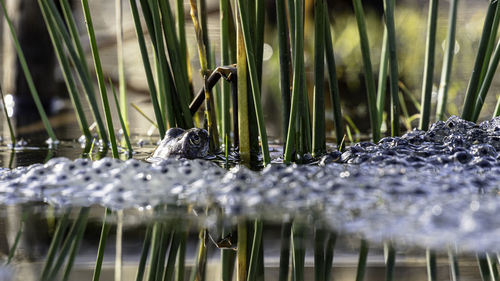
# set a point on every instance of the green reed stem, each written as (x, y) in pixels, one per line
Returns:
(471, 94)
(319, 252)
(369, 80)
(225, 60)
(164, 242)
(332, 77)
(447, 62)
(390, 261)
(241, 255)
(393, 66)
(106, 226)
(13, 249)
(27, 74)
(75, 246)
(260, 19)
(100, 77)
(363, 255)
(454, 271)
(285, 64)
(291, 15)
(491, 44)
(252, 68)
(228, 258)
(488, 79)
(144, 254)
(298, 250)
(286, 232)
(180, 24)
(431, 265)
(147, 68)
(318, 132)
(120, 61)
(7, 118)
(202, 17)
(430, 46)
(172, 255)
(54, 245)
(198, 271)
(382, 77)
(298, 65)
(66, 70)
(256, 248)
(155, 246)
(484, 267)
(243, 124)
(126, 133)
(329, 252)
(496, 112)
(181, 257)
(78, 58)
(492, 265)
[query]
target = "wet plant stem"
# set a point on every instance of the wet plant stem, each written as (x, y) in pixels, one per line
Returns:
(286, 232)
(256, 248)
(429, 66)
(298, 250)
(27, 74)
(496, 112)
(242, 99)
(382, 78)
(318, 132)
(54, 245)
(390, 260)
(484, 267)
(444, 85)
(431, 265)
(363, 255)
(393, 66)
(106, 226)
(126, 133)
(13, 249)
(454, 271)
(241, 257)
(319, 254)
(100, 77)
(198, 271)
(225, 60)
(144, 254)
(120, 61)
(329, 252)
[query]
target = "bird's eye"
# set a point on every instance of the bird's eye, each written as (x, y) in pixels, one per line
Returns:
(194, 140)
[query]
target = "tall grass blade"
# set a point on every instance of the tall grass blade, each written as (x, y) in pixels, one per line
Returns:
(181, 257)
(329, 252)
(260, 19)
(180, 24)
(318, 132)
(319, 252)
(141, 268)
(75, 246)
(369, 80)
(120, 61)
(7, 118)
(286, 232)
(298, 65)
(447, 62)
(382, 77)
(172, 254)
(430, 46)
(66, 71)
(393, 66)
(147, 68)
(102, 245)
(256, 248)
(491, 44)
(126, 133)
(298, 250)
(484, 269)
(243, 124)
(492, 264)
(225, 60)
(488, 79)
(454, 271)
(54, 245)
(472, 88)
(100, 77)
(496, 112)
(363, 255)
(431, 265)
(252, 68)
(332, 77)
(390, 261)
(27, 74)
(198, 271)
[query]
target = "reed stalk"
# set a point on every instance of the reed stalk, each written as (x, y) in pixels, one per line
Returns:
(369, 80)
(120, 62)
(285, 64)
(242, 99)
(155, 246)
(332, 77)
(488, 79)
(454, 271)
(298, 65)
(20, 230)
(496, 112)
(286, 232)
(252, 68)
(260, 19)
(492, 265)
(484, 269)
(106, 226)
(241, 255)
(363, 255)
(198, 271)
(144, 254)
(256, 248)
(382, 77)
(390, 261)
(172, 255)
(472, 88)
(318, 132)
(393, 65)
(100, 77)
(54, 245)
(7, 118)
(329, 252)
(430, 46)
(180, 24)
(298, 250)
(181, 257)
(431, 265)
(319, 252)
(147, 68)
(126, 133)
(75, 246)
(447, 62)
(27, 74)
(491, 44)
(164, 242)
(66, 70)
(225, 88)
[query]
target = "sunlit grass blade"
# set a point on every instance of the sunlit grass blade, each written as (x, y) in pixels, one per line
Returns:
(492, 264)
(7, 118)
(496, 112)
(144, 114)
(329, 252)
(369, 80)
(382, 77)
(431, 265)
(488, 79)
(75, 246)
(332, 77)
(254, 81)
(390, 261)
(363, 255)
(126, 133)
(66, 71)
(27, 74)
(106, 226)
(393, 66)
(100, 77)
(447, 62)
(147, 68)
(471, 94)
(120, 62)
(318, 132)
(430, 46)
(298, 65)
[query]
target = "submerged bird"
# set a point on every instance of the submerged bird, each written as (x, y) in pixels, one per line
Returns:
(190, 144)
